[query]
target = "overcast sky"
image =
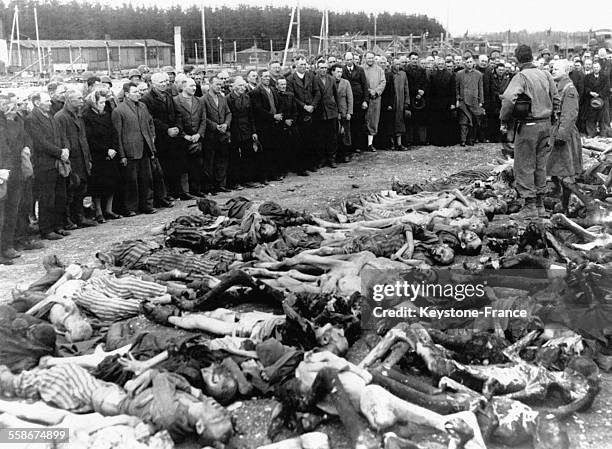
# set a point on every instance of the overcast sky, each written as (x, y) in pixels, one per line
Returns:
(475, 16)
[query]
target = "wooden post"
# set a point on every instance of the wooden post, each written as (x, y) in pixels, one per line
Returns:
(108, 59)
(195, 44)
(204, 35)
(235, 55)
(40, 62)
(309, 47)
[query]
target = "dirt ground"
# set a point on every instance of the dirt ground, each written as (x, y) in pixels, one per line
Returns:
(365, 173)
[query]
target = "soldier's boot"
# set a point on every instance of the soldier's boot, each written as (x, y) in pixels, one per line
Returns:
(540, 207)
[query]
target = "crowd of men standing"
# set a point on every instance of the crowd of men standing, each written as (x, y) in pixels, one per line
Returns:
(167, 136)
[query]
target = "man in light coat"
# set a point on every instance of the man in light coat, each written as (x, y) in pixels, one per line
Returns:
(470, 101)
(376, 85)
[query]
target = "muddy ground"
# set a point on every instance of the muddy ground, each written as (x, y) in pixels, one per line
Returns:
(365, 173)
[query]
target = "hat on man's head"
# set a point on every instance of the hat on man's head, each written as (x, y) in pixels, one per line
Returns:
(106, 79)
(597, 103)
(168, 69)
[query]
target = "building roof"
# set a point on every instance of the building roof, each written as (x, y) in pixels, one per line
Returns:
(253, 50)
(94, 43)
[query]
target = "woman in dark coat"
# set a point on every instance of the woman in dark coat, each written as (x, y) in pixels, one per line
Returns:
(102, 140)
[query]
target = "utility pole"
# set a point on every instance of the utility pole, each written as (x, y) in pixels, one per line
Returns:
(195, 46)
(204, 34)
(298, 25)
(220, 52)
(375, 18)
(40, 63)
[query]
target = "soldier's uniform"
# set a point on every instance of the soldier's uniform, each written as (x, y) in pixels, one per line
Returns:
(533, 132)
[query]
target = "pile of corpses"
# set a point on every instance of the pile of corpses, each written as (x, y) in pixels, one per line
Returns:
(147, 345)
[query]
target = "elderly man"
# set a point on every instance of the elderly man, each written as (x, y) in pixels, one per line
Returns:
(418, 87)
(168, 136)
(252, 79)
(470, 99)
(275, 69)
(376, 85)
(244, 164)
(359, 86)
(288, 139)
(301, 85)
(401, 103)
(47, 152)
(533, 127)
(136, 149)
(216, 148)
(596, 87)
(192, 120)
(565, 158)
(325, 103)
(268, 120)
(442, 99)
(72, 133)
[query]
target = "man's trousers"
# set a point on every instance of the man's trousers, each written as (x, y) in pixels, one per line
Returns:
(530, 156)
(50, 190)
(138, 178)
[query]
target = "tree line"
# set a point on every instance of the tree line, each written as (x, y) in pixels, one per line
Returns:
(248, 25)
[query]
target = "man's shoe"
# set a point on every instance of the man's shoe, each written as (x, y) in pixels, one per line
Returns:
(130, 214)
(5, 261)
(356, 151)
(100, 219)
(251, 185)
(111, 216)
(63, 232)
(223, 189)
(28, 245)
(332, 165)
(70, 226)
(10, 253)
(198, 194)
(164, 203)
(402, 148)
(186, 196)
(462, 144)
(52, 236)
(470, 143)
(303, 173)
(87, 223)
(170, 198)
(371, 149)
(149, 211)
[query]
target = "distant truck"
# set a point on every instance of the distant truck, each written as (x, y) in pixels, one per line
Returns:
(477, 46)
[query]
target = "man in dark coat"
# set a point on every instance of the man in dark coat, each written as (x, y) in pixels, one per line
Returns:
(386, 122)
(136, 149)
(577, 76)
(419, 93)
(325, 103)
(301, 84)
(245, 164)
(443, 128)
(217, 141)
(268, 118)
(359, 85)
(493, 89)
(596, 85)
(72, 132)
(288, 140)
(192, 120)
(47, 152)
(168, 134)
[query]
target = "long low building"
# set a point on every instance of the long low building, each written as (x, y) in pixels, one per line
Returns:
(92, 53)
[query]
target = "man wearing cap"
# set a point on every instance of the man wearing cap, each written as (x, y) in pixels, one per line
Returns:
(533, 128)
(168, 135)
(172, 88)
(596, 93)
